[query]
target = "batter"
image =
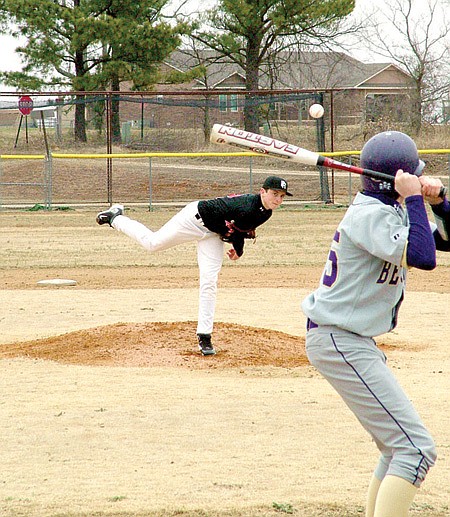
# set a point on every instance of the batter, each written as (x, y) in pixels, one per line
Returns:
(359, 297)
(210, 223)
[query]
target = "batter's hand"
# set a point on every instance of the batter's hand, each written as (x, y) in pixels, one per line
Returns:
(232, 255)
(431, 188)
(407, 184)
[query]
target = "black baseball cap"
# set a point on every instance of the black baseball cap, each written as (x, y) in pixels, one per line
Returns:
(276, 183)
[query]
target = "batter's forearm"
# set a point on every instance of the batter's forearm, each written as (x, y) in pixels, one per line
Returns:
(421, 247)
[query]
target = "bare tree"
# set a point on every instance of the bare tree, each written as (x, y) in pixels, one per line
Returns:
(204, 66)
(416, 37)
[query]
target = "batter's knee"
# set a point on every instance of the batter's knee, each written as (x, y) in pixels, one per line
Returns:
(429, 453)
(413, 464)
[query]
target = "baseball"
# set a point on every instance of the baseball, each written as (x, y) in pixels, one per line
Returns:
(316, 110)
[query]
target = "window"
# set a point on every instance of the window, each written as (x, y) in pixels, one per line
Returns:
(233, 104)
(228, 103)
(222, 103)
(391, 106)
(446, 111)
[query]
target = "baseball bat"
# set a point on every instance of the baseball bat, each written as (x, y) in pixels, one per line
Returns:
(261, 144)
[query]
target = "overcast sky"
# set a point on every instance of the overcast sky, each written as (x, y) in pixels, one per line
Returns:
(10, 61)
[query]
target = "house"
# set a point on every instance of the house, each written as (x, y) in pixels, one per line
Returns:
(357, 91)
(353, 92)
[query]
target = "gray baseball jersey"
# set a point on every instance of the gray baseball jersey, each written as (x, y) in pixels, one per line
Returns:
(359, 296)
(363, 296)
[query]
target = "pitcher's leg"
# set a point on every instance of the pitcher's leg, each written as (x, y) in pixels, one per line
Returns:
(181, 228)
(135, 230)
(210, 259)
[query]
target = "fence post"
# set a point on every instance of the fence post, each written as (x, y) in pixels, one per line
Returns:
(109, 162)
(150, 184)
(1, 165)
(350, 183)
(250, 166)
(48, 180)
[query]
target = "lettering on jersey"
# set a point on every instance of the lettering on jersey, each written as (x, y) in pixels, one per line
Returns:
(389, 273)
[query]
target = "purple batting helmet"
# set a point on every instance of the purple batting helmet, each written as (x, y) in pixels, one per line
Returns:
(388, 152)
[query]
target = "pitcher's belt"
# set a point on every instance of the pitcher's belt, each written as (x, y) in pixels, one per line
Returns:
(199, 218)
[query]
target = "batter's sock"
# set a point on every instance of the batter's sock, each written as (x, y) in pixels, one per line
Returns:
(394, 498)
(372, 496)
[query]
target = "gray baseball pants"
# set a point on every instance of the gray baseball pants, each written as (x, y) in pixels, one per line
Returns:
(357, 370)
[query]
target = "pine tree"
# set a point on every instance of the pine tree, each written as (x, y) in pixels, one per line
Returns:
(88, 45)
(248, 31)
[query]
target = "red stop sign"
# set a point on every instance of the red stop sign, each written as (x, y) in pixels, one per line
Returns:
(25, 105)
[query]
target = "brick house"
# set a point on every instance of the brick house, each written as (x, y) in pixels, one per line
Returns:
(360, 91)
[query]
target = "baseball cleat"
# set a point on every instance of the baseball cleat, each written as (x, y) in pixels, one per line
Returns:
(204, 344)
(108, 216)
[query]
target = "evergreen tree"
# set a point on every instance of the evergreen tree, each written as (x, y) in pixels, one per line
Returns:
(87, 45)
(249, 31)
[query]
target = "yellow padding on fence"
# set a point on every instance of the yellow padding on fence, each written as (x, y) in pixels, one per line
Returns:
(178, 155)
(22, 156)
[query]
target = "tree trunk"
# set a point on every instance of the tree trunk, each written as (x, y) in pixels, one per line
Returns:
(80, 119)
(251, 112)
(80, 106)
(416, 112)
(207, 121)
(115, 111)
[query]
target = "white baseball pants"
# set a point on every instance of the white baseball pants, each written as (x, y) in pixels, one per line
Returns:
(185, 226)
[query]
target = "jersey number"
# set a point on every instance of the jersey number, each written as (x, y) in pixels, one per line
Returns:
(331, 269)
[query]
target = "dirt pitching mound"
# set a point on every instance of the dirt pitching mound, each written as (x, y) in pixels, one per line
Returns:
(165, 345)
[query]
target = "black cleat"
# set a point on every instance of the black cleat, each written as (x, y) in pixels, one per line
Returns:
(108, 216)
(205, 345)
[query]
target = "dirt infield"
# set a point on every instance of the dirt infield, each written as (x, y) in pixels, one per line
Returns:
(108, 409)
(165, 345)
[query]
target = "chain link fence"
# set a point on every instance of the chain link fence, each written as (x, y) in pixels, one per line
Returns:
(43, 163)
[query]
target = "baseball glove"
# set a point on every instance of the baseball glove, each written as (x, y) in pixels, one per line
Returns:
(246, 234)
(236, 236)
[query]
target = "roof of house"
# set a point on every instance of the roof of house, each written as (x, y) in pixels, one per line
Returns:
(294, 70)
